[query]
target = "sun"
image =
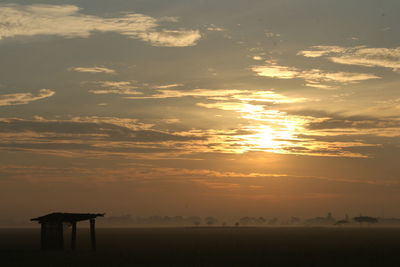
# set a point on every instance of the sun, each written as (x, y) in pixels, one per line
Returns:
(270, 130)
(264, 138)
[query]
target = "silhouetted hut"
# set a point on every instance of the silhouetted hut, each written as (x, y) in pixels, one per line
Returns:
(52, 232)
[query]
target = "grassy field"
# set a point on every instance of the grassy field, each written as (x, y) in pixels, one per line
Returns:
(211, 247)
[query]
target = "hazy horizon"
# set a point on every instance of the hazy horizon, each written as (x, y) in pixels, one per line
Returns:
(223, 108)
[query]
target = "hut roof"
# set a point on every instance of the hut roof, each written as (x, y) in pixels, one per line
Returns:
(67, 217)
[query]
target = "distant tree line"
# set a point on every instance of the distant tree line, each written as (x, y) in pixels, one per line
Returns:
(160, 220)
(196, 221)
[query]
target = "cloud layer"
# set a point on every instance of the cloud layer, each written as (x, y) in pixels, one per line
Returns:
(102, 136)
(68, 21)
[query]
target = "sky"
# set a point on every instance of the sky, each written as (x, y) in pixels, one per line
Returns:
(198, 107)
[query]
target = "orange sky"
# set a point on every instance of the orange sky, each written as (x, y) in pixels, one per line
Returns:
(227, 108)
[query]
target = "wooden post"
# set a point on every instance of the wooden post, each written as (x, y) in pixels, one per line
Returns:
(43, 244)
(61, 235)
(73, 236)
(93, 233)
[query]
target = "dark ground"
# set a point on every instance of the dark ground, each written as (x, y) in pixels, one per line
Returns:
(367, 246)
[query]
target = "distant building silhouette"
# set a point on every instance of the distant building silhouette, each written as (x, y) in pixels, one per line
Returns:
(52, 232)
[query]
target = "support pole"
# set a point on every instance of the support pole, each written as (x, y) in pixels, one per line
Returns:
(43, 245)
(61, 235)
(93, 233)
(73, 236)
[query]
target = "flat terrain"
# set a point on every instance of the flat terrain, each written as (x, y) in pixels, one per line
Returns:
(367, 246)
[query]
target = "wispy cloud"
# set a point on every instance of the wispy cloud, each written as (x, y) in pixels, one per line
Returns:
(321, 50)
(224, 94)
(93, 69)
(214, 28)
(101, 135)
(68, 21)
(172, 38)
(147, 173)
(132, 88)
(167, 86)
(266, 128)
(313, 77)
(120, 88)
(207, 93)
(270, 34)
(359, 55)
(24, 98)
(275, 132)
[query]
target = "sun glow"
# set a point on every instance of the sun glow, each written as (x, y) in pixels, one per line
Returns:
(271, 130)
(264, 138)
(266, 127)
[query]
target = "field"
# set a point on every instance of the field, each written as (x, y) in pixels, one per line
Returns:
(297, 246)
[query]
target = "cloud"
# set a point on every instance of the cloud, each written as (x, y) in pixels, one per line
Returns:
(93, 70)
(214, 28)
(359, 55)
(333, 125)
(231, 106)
(272, 34)
(128, 173)
(316, 75)
(223, 94)
(265, 128)
(24, 98)
(167, 86)
(68, 21)
(129, 88)
(319, 85)
(120, 88)
(105, 136)
(319, 51)
(207, 93)
(257, 58)
(384, 127)
(275, 71)
(313, 77)
(171, 121)
(176, 38)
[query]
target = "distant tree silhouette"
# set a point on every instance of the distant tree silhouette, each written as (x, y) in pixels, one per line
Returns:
(195, 220)
(342, 222)
(346, 220)
(210, 221)
(295, 220)
(273, 221)
(252, 220)
(328, 220)
(365, 219)
(245, 220)
(261, 220)
(389, 221)
(177, 219)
